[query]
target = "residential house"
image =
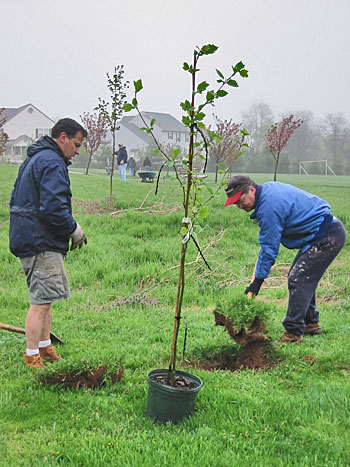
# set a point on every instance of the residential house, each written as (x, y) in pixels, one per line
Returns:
(23, 126)
(167, 129)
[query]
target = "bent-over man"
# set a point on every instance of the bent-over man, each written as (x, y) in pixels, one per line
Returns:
(298, 220)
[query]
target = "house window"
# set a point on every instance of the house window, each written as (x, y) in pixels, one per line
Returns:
(39, 132)
(187, 137)
(178, 136)
(170, 135)
(17, 150)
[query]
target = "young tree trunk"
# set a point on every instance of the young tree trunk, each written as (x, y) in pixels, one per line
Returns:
(88, 164)
(112, 170)
(276, 165)
(216, 172)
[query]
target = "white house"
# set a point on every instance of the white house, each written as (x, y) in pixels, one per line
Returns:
(23, 126)
(167, 129)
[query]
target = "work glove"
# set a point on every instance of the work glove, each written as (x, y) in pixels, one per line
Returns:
(254, 287)
(78, 238)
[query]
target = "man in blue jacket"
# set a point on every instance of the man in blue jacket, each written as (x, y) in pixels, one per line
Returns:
(298, 220)
(41, 226)
(122, 159)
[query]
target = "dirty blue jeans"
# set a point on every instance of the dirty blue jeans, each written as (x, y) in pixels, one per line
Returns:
(304, 275)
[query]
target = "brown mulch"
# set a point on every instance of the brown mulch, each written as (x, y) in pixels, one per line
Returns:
(180, 382)
(82, 379)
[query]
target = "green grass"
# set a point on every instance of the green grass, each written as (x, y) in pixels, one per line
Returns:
(296, 413)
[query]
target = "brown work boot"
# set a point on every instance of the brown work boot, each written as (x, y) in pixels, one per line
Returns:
(312, 329)
(33, 361)
(289, 337)
(49, 354)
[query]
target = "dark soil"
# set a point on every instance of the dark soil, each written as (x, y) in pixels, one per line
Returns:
(180, 382)
(92, 379)
(255, 347)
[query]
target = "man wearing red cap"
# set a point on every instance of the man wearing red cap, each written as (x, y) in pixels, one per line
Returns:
(298, 220)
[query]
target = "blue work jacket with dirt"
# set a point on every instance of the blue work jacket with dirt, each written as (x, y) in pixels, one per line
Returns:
(290, 216)
(40, 207)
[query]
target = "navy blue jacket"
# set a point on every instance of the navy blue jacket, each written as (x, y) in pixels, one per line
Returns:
(122, 155)
(40, 208)
(290, 216)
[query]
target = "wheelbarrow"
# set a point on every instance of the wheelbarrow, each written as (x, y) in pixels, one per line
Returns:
(147, 177)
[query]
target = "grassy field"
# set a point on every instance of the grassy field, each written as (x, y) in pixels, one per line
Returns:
(123, 287)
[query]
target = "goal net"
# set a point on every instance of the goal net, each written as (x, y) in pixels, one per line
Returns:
(317, 167)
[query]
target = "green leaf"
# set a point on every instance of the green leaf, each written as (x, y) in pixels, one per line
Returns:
(210, 96)
(186, 120)
(244, 132)
(199, 116)
(176, 152)
(152, 122)
(211, 191)
(220, 74)
(202, 86)
(221, 166)
(208, 49)
(201, 125)
(134, 102)
(186, 105)
(233, 83)
(203, 212)
(138, 85)
(127, 107)
(183, 231)
(239, 66)
(244, 73)
(221, 93)
(186, 66)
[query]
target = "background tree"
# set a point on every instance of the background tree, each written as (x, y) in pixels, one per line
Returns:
(277, 138)
(305, 144)
(96, 126)
(112, 112)
(256, 120)
(336, 139)
(3, 136)
(225, 148)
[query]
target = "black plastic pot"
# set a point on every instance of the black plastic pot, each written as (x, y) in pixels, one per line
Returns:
(168, 403)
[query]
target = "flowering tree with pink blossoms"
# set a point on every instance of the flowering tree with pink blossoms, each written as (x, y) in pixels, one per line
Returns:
(278, 136)
(96, 126)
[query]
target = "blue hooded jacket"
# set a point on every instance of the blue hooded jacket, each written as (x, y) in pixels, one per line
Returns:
(40, 207)
(290, 216)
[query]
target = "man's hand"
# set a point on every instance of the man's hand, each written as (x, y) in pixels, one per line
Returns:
(254, 287)
(78, 238)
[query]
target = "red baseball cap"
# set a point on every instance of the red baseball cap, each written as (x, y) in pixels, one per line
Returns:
(235, 187)
(233, 199)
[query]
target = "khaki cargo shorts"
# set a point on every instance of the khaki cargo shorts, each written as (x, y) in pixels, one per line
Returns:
(46, 278)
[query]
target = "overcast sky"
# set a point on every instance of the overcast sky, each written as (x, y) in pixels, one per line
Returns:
(55, 53)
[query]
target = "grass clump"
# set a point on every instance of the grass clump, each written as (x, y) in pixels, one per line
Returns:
(241, 310)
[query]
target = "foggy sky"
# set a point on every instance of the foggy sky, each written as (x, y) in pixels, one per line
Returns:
(55, 53)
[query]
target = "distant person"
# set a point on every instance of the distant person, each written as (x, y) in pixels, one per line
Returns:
(131, 166)
(147, 165)
(122, 159)
(298, 220)
(41, 225)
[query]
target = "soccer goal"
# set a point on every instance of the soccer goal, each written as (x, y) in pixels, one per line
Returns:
(325, 168)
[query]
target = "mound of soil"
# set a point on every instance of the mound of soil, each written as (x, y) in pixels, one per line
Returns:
(82, 379)
(254, 349)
